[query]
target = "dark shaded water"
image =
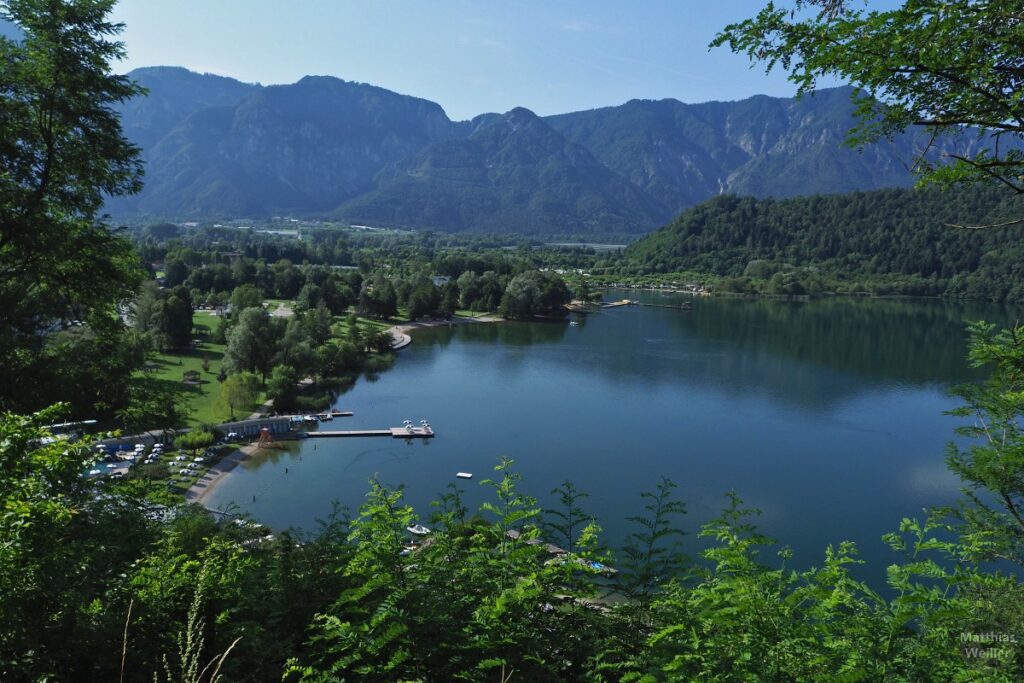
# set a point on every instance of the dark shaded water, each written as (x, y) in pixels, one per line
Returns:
(826, 415)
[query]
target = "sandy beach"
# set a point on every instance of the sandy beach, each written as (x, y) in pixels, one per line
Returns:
(201, 490)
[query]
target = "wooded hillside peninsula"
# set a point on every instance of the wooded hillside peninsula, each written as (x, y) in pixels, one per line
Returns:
(910, 242)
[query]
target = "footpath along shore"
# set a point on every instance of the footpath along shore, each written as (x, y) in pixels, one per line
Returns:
(400, 333)
(207, 484)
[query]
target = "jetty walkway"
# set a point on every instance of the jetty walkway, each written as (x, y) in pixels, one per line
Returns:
(396, 432)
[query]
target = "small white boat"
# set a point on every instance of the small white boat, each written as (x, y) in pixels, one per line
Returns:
(464, 475)
(573, 323)
(418, 529)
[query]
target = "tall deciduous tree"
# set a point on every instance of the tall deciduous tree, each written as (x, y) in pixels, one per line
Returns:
(62, 151)
(250, 342)
(195, 440)
(239, 391)
(245, 296)
(951, 66)
(378, 298)
(282, 387)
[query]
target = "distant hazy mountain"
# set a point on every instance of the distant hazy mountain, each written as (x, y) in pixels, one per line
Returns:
(174, 95)
(305, 147)
(218, 147)
(681, 154)
(512, 173)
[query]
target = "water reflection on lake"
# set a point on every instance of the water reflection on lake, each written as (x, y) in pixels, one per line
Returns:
(826, 415)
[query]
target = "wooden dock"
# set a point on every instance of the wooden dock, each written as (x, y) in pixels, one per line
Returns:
(318, 417)
(396, 432)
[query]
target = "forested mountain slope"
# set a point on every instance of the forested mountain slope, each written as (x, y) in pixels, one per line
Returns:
(215, 147)
(174, 94)
(514, 173)
(304, 147)
(682, 154)
(905, 233)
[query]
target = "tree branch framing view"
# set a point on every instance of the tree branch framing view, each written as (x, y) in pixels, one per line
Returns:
(147, 359)
(951, 67)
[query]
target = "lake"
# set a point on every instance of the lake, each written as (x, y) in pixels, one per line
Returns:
(826, 415)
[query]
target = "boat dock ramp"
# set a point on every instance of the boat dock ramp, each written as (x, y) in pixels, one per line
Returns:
(406, 432)
(318, 417)
(685, 305)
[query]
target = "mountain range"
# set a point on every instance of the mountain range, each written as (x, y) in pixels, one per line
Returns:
(216, 147)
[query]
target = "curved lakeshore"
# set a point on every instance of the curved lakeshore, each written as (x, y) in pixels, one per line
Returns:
(206, 485)
(400, 333)
(826, 415)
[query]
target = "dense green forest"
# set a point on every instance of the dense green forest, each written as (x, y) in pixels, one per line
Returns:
(99, 582)
(886, 241)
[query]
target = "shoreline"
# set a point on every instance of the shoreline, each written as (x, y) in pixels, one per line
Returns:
(400, 333)
(205, 486)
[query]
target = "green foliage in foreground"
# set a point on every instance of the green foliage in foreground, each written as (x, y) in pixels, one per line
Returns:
(88, 571)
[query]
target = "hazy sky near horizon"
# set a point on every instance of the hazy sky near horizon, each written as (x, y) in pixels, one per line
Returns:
(550, 56)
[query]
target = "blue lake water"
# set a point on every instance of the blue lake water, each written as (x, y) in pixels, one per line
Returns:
(826, 415)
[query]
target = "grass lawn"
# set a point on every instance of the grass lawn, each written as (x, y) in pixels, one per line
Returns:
(202, 400)
(340, 326)
(374, 325)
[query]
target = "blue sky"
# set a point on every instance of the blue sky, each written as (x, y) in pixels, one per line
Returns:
(550, 56)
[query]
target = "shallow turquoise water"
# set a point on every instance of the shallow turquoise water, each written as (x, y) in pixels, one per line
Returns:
(826, 415)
